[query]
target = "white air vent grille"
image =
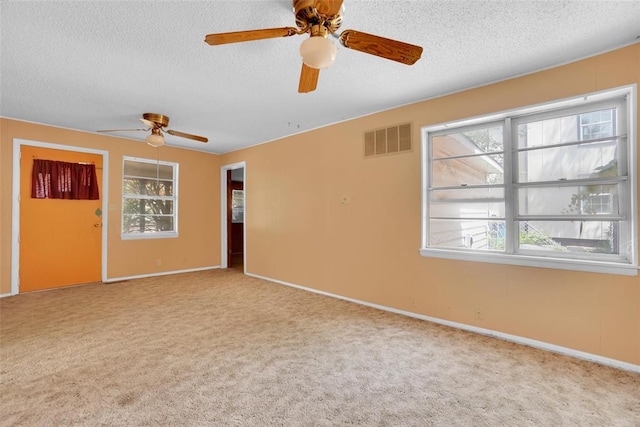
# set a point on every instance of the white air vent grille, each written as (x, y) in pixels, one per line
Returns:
(396, 139)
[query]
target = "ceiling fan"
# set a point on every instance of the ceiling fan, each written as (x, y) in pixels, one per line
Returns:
(157, 124)
(321, 18)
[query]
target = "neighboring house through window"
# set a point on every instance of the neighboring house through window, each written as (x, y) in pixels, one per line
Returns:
(549, 186)
(598, 125)
(149, 198)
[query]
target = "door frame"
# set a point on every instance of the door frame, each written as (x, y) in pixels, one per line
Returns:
(15, 198)
(224, 261)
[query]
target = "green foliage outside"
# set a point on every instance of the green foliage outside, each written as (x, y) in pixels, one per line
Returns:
(579, 201)
(143, 215)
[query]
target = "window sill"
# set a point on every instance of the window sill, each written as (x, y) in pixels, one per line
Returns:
(141, 236)
(534, 261)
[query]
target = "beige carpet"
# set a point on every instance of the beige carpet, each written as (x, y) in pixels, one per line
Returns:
(218, 348)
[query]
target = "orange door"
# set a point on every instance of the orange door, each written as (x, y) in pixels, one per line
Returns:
(60, 239)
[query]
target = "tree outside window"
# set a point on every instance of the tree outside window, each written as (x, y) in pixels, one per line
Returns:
(149, 198)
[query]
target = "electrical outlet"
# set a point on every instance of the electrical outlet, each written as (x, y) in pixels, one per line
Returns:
(478, 313)
(158, 262)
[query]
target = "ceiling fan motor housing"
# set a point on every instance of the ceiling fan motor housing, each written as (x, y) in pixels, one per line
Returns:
(159, 119)
(307, 16)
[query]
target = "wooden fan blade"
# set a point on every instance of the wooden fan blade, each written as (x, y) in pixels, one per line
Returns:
(121, 130)
(308, 79)
(385, 48)
(187, 135)
(328, 7)
(245, 36)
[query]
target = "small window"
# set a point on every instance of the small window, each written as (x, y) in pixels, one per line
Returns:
(544, 186)
(237, 206)
(149, 199)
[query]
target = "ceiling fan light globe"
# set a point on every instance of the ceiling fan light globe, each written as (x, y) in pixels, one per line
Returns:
(318, 52)
(155, 140)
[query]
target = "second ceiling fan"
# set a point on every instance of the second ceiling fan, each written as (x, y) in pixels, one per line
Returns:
(157, 124)
(321, 18)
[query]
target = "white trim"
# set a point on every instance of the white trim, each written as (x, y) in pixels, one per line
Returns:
(15, 212)
(141, 236)
(163, 273)
(632, 124)
(482, 331)
(593, 266)
(6, 295)
(224, 262)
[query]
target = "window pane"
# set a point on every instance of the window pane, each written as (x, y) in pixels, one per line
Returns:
(237, 206)
(468, 194)
(486, 140)
(148, 170)
(596, 124)
(146, 223)
(148, 206)
(574, 200)
(468, 170)
(595, 160)
(569, 128)
(570, 236)
(147, 187)
(467, 210)
(486, 235)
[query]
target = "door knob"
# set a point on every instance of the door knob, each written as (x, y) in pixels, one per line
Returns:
(97, 224)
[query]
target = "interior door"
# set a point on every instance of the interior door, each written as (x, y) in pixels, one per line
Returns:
(60, 239)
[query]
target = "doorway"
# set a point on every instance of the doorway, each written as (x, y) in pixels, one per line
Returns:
(56, 242)
(233, 232)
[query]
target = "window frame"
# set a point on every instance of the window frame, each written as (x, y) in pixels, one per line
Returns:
(609, 263)
(174, 199)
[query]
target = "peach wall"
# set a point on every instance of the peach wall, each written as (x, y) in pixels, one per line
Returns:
(198, 244)
(298, 231)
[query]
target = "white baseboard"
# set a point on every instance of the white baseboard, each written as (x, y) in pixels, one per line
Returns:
(140, 276)
(163, 273)
(482, 331)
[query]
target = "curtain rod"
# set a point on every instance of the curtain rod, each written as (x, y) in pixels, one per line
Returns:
(78, 163)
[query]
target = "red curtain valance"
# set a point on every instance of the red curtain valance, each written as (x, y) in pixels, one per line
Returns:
(51, 179)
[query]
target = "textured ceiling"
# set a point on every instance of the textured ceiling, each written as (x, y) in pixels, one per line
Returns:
(92, 65)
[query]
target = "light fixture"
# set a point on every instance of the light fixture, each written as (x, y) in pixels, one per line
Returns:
(155, 139)
(318, 52)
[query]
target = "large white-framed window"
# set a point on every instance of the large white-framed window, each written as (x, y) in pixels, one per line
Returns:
(552, 185)
(149, 198)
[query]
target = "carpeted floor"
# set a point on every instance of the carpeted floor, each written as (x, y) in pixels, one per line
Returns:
(219, 348)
